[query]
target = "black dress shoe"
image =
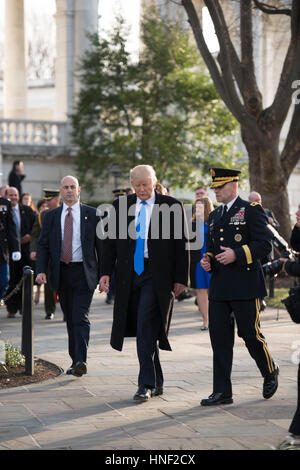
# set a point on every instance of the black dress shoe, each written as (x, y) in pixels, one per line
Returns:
(49, 316)
(70, 370)
(79, 369)
(143, 393)
(217, 398)
(271, 383)
(157, 391)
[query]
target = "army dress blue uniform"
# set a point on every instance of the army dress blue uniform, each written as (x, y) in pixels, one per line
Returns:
(235, 288)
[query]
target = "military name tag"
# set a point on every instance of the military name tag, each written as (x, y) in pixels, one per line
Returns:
(238, 237)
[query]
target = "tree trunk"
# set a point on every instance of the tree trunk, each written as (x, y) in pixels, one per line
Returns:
(267, 177)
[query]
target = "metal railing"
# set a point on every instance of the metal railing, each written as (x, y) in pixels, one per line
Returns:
(31, 133)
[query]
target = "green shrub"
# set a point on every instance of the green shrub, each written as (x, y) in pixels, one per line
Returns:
(13, 356)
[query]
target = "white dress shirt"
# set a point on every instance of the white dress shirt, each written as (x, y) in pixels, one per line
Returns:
(149, 207)
(229, 204)
(76, 237)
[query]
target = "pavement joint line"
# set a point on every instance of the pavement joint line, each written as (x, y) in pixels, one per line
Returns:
(32, 414)
(32, 437)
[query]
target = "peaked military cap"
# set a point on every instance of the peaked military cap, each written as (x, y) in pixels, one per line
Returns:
(119, 192)
(50, 194)
(221, 176)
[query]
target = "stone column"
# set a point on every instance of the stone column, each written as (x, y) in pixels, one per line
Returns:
(15, 83)
(73, 19)
(86, 21)
(64, 65)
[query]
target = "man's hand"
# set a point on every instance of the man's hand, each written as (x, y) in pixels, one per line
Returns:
(33, 255)
(205, 263)
(228, 256)
(271, 221)
(178, 288)
(104, 284)
(26, 238)
(41, 278)
(284, 260)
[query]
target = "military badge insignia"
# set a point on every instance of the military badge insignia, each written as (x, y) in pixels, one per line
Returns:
(238, 237)
(239, 217)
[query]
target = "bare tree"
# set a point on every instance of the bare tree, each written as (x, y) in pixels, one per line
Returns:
(233, 73)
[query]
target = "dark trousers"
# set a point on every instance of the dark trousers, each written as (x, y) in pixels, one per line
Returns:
(14, 303)
(75, 299)
(221, 329)
(295, 424)
(144, 306)
(49, 296)
(4, 278)
(50, 303)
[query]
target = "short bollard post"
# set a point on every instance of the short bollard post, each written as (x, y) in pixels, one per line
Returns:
(271, 287)
(27, 320)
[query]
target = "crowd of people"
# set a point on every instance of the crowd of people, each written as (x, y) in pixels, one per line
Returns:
(143, 275)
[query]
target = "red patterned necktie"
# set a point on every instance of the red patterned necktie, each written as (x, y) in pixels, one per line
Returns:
(67, 241)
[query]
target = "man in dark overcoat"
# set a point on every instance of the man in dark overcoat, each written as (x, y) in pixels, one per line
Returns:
(150, 255)
(24, 218)
(238, 239)
(9, 243)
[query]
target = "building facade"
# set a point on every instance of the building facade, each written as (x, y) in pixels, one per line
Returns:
(34, 124)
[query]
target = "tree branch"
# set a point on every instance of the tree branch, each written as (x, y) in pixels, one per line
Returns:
(271, 9)
(251, 94)
(227, 53)
(235, 61)
(290, 154)
(290, 70)
(202, 46)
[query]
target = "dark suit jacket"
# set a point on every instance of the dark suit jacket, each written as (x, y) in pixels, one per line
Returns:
(49, 245)
(244, 229)
(168, 262)
(28, 217)
(9, 241)
(295, 238)
(15, 180)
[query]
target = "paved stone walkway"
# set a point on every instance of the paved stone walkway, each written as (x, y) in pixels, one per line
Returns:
(96, 411)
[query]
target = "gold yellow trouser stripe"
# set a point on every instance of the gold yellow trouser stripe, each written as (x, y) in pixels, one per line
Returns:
(262, 340)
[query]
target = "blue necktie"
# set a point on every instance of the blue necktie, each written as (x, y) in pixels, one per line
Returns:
(140, 240)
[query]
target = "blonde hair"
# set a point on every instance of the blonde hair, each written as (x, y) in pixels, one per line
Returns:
(143, 171)
(208, 207)
(160, 188)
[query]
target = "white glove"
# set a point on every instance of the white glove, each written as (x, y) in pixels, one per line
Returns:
(16, 256)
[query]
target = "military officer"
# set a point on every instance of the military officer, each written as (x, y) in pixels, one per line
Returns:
(238, 238)
(9, 243)
(52, 197)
